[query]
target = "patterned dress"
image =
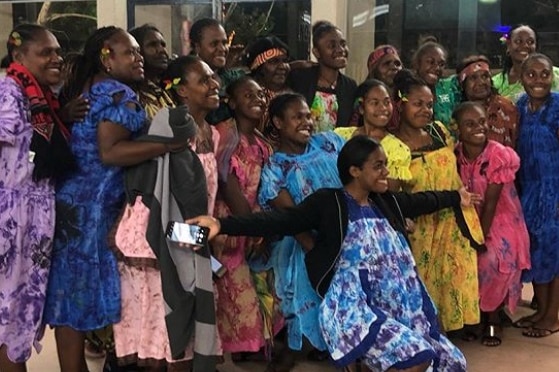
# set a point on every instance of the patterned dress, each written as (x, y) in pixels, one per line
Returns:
(448, 95)
(377, 308)
(445, 259)
(508, 244)
(538, 148)
(398, 155)
(300, 175)
(141, 335)
(84, 286)
(502, 119)
(243, 324)
(324, 110)
(26, 229)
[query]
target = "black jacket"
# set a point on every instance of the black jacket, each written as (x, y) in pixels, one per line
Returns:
(305, 82)
(326, 211)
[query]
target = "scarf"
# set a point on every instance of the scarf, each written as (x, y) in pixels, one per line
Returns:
(173, 187)
(49, 143)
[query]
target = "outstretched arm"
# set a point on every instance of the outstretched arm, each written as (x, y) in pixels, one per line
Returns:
(420, 203)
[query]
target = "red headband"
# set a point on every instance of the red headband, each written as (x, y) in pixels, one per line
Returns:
(380, 52)
(265, 56)
(471, 68)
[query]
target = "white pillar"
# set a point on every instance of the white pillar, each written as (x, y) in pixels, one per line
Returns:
(6, 26)
(112, 13)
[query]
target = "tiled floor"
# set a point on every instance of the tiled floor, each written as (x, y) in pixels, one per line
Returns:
(517, 353)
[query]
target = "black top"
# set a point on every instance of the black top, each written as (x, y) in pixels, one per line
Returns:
(326, 211)
(305, 82)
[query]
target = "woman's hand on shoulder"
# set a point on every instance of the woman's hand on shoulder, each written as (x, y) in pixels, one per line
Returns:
(468, 199)
(75, 110)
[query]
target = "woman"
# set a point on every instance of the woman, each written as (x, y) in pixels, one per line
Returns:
(33, 153)
(146, 333)
(520, 41)
(538, 147)
(375, 111)
(474, 76)
(268, 61)
(328, 92)
(209, 42)
(429, 62)
(383, 64)
(444, 244)
(247, 310)
(84, 291)
(303, 163)
(375, 307)
(488, 168)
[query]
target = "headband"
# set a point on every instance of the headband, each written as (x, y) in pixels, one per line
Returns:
(471, 68)
(380, 52)
(265, 56)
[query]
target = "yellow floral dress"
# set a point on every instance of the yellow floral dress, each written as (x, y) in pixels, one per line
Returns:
(397, 153)
(443, 242)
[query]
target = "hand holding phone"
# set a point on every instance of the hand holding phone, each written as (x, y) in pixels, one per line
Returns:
(188, 234)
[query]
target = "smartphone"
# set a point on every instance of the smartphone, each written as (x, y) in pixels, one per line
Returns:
(189, 234)
(217, 267)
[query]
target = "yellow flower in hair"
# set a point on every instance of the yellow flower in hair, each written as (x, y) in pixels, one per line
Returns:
(105, 51)
(171, 83)
(403, 98)
(15, 39)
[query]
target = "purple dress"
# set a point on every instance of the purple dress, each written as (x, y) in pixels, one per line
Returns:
(26, 228)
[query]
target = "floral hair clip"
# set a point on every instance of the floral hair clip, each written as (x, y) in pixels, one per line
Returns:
(105, 51)
(171, 83)
(503, 39)
(15, 39)
(403, 98)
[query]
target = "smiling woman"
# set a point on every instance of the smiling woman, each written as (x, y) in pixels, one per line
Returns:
(84, 289)
(33, 154)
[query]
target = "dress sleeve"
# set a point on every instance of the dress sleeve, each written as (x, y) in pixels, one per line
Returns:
(10, 115)
(399, 158)
(272, 181)
(345, 132)
(503, 165)
(117, 103)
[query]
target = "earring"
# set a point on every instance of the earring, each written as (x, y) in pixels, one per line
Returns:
(108, 69)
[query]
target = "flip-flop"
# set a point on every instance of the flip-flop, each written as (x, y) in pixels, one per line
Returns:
(490, 336)
(523, 322)
(536, 332)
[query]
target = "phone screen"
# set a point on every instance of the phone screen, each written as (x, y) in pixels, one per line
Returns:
(188, 234)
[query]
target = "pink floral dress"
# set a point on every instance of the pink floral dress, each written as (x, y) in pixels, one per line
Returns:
(141, 335)
(508, 244)
(244, 323)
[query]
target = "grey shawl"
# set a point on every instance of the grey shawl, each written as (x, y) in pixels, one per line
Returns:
(173, 187)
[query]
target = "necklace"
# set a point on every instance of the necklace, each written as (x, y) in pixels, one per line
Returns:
(329, 84)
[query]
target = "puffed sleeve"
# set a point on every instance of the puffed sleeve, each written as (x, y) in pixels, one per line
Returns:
(12, 112)
(345, 132)
(399, 158)
(503, 164)
(272, 181)
(115, 102)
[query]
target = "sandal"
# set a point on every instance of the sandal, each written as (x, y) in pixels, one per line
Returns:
(536, 332)
(491, 335)
(524, 322)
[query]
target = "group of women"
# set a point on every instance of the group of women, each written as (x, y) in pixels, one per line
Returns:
(418, 230)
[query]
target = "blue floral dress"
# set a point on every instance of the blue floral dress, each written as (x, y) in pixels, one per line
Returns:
(84, 286)
(538, 148)
(301, 175)
(377, 308)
